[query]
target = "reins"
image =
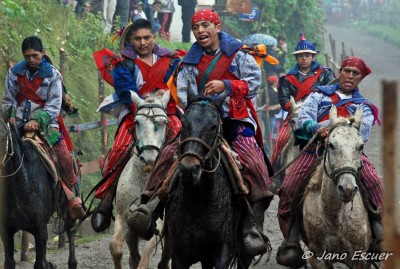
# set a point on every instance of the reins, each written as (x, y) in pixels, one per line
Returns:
(10, 147)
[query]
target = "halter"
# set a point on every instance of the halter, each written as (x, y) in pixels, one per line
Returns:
(211, 149)
(336, 173)
(9, 151)
(152, 115)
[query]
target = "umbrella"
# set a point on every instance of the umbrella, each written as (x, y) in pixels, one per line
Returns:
(256, 39)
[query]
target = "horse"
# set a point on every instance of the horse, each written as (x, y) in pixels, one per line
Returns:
(151, 121)
(31, 196)
(201, 210)
(335, 217)
(290, 150)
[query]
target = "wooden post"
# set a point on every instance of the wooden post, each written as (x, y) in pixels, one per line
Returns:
(391, 237)
(333, 50)
(24, 246)
(269, 137)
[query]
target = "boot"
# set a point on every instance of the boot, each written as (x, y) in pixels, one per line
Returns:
(290, 253)
(101, 218)
(142, 219)
(76, 208)
(376, 246)
(255, 242)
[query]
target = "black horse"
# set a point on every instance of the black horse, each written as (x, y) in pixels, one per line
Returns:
(202, 214)
(30, 197)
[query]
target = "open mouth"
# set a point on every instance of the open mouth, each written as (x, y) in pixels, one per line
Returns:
(203, 38)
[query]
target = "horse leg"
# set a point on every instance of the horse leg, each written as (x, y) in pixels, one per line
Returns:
(149, 246)
(223, 257)
(319, 264)
(69, 225)
(8, 242)
(166, 252)
(41, 247)
(132, 239)
(117, 241)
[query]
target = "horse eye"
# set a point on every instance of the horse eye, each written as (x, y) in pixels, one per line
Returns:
(331, 146)
(361, 147)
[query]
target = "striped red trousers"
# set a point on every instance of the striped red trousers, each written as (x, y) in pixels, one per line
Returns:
(124, 136)
(300, 169)
(281, 140)
(250, 155)
(67, 171)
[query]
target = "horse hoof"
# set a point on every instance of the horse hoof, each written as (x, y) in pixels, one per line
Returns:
(52, 265)
(100, 221)
(290, 256)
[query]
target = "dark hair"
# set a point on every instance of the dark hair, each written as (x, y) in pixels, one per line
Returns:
(156, 2)
(32, 42)
(281, 36)
(139, 24)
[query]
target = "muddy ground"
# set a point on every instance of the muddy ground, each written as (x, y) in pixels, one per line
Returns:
(382, 57)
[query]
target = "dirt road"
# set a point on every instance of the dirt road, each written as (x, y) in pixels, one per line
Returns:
(383, 58)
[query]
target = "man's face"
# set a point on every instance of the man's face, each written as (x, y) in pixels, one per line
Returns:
(206, 33)
(304, 59)
(33, 58)
(349, 78)
(143, 42)
(157, 7)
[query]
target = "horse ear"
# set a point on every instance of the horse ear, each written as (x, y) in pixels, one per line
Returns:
(358, 117)
(219, 100)
(136, 99)
(333, 115)
(165, 98)
(292, 103)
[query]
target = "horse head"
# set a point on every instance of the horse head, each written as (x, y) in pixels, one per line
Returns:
(343, 151)
(200, 134)
(151, 121)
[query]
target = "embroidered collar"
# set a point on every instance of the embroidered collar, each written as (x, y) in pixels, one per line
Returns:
(227, 44)
(45, 70)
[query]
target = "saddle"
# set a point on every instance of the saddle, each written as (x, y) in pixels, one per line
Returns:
(45, 154)
(232, 164)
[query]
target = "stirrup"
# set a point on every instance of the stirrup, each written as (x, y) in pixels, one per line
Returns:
(141, 221)
(290, 255)
(255, 243)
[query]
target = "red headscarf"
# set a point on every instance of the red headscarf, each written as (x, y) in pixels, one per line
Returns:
(206, 15)
(356, 63)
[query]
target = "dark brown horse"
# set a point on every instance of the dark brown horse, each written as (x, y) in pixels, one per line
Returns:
(202, 213)
(30, 197)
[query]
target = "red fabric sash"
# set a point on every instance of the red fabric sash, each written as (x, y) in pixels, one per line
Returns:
(220, 69)
(153, 75)
(341, 110)
(304, 88)
(27, 90)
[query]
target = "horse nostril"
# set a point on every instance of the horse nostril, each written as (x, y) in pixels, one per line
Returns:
(355, 190)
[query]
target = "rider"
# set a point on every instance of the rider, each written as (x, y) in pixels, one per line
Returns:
(32, 101)
(145, 68)
(299, 81)
(314, 119)
(233, 72)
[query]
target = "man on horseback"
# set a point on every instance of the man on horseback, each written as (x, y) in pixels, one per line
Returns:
(299, 82)
(32, 101)
(313, 121)
(215, 65)
(144, 68)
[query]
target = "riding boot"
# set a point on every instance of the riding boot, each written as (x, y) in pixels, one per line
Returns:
(142, 219)
(290, 253)
(76, 208)
(376, 226)
(101, 217)
(255, 242)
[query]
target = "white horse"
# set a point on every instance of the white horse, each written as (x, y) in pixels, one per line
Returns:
(151, 121)
(335, 219)
(289, 151)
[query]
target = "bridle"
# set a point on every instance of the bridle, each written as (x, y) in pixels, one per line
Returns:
(334, 174)
(9, 150)
(211, 149)
(152, 115)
